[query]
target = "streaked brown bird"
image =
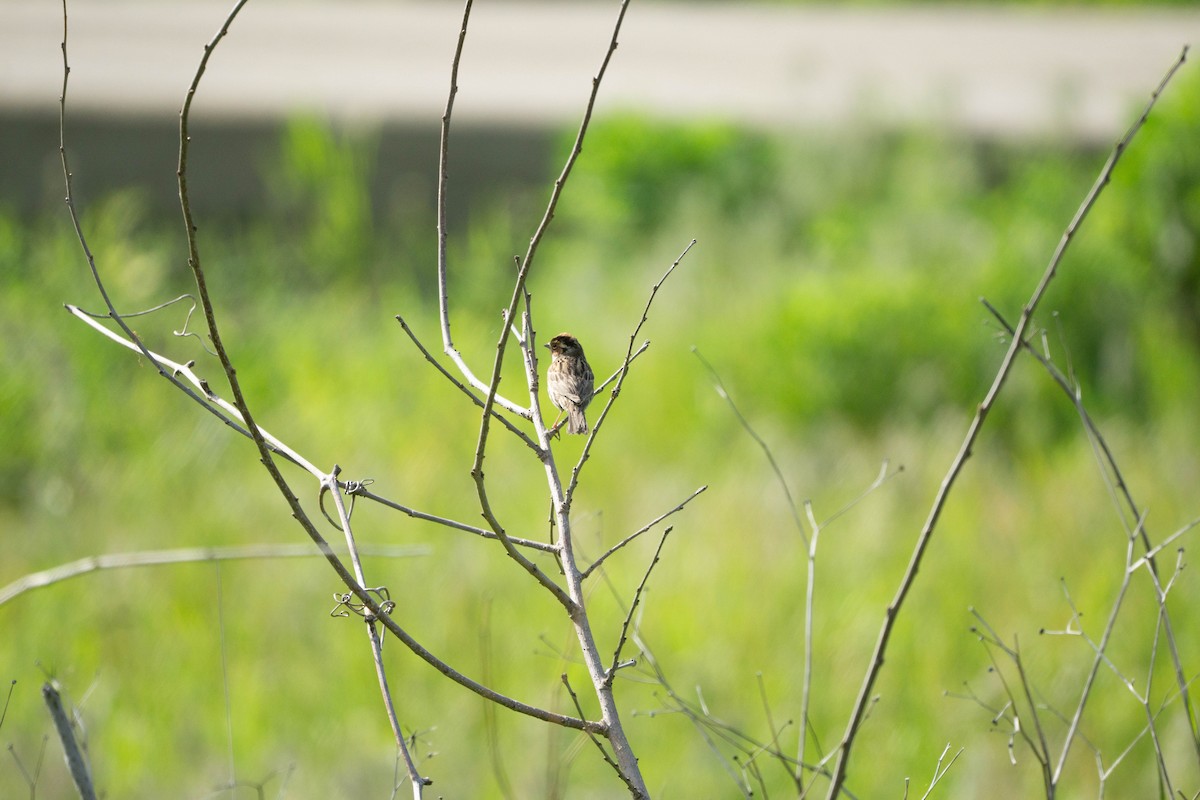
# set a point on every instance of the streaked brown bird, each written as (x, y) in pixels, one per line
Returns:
(569, 380)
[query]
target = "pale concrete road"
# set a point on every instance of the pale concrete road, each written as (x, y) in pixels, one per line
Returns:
(1007, 71)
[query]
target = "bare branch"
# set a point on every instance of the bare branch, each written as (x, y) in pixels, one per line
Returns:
(369, 601)
(443, 177)
(149, 558)
(1188, 527)
(1012, 712)
(443, 280)
(532, 544)
(714, 731)
(330, 483)
(811, 546)
(941, 768)
(622, 373)
(133, 341)
(604, 556)
(906, 582)
(1115, 480)
(637, 598)
(77, 764)
(577, 148)
(623, 753)
(477, 473)
(723, 393)
(222, 409)
(599, 745)
(530, 443)
(1071, 389)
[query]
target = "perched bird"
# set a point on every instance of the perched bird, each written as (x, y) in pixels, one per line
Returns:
(569, 380)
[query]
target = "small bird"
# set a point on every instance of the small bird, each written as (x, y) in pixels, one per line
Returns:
(569, 380)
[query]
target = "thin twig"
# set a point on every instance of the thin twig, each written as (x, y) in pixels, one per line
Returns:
(369, 601)
(633, 606)
(1187, 527)
(150, 558)
(134, 341)
(956, 467)
(443, 178)
(242, 411)
(1027, 690)
(594, 739)
(1071, 389)
(811, 546)
(940, 771)
(476, 399)
(222, 409)
(773, 748)
(561, 182)
(1115, 480)
(446, 522)
(723, 393)
(713, 730)
(1039, 749)
(604, 556)
(442, 234)
(355, 585)
(194, 251)
(600, 387)
(623, 753)
(77, 764)
(622, 373)
(7, 701)
(490, 725)
(810, 602)
(477, 474)
(1100, 657)
(330, 483)
(183, 332)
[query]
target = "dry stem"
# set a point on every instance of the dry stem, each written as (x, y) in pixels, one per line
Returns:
(956, 467)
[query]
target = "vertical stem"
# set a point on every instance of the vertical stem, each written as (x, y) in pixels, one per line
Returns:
(330, 483)
(615, 732)
(443, 177)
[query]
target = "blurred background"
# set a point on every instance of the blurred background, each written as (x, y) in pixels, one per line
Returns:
(856, 177)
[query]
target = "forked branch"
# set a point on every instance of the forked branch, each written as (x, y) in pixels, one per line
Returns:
(906, 582)
(1115, 479)
(237, 413)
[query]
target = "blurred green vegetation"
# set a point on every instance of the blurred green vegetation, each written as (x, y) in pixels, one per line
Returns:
(835, 287)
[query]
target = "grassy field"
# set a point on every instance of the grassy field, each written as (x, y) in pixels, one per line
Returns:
(834, 288)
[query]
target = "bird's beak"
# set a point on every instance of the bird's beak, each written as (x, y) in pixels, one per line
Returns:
(547, 346)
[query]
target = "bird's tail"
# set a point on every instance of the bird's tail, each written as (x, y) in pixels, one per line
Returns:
(576, 421)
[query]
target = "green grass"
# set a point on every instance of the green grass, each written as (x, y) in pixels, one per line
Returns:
(834, 286)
